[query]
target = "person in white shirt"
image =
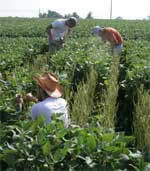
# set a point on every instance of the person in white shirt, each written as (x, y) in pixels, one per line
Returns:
(50, 100)
(58, 31)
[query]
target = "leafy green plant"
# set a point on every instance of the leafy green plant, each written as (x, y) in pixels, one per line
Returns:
(142, 120)
(109, 97)
(32, 145)
(83, 100)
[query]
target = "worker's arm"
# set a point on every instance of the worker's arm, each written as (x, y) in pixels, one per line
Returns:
(114, 40)
(48, 29)
(31, 98)
(103, 37)
(67, 33)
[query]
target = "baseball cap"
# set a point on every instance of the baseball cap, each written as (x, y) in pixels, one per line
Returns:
(96, 30)
(73, 21)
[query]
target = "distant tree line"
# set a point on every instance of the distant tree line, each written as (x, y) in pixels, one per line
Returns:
(50, 14)
(54, 14)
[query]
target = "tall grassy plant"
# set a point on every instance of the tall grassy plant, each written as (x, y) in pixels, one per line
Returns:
(83, 99)
(142, 119)
(109, 97)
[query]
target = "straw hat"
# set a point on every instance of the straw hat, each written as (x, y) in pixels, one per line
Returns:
(49, 83)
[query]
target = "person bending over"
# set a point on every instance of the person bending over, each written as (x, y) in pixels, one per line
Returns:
(58, 31)
(111, 35)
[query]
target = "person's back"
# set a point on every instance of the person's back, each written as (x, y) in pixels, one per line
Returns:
(59, 29)
(50, 106)
(112, 35)
(49, 99)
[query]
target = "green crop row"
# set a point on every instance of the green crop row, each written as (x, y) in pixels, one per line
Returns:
(93, 144)
(16, 27)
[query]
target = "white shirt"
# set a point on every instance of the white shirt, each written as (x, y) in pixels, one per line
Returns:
(59, 29)
(50, 106)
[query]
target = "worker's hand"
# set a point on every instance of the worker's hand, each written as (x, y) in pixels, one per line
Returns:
(53, 42)
(31, 98)
(19, 98)
(19, 101)
(48, 29)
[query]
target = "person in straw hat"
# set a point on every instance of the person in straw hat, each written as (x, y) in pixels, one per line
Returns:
(58, 31)
(49, 99)
(110, 35)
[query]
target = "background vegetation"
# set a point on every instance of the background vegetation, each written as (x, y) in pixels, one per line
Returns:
(108, 98)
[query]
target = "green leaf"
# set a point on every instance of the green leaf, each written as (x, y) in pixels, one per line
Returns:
(41, 138)
(11, 147)
(60, 154)
(108, 137)
(112, 149)
(46, 148)
(88, 160)
(135, 155)
(91, 142)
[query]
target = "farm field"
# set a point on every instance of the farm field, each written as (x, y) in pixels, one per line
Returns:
(108, 98)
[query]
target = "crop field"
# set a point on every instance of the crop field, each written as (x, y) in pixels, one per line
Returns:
(108, 98)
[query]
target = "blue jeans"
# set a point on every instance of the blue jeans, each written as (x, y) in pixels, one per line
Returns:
(117, 49)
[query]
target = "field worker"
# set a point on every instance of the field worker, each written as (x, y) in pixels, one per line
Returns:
(58, 31)
(49, 99)
(111, 35)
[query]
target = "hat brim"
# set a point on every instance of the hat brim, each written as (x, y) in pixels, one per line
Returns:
(57, 92)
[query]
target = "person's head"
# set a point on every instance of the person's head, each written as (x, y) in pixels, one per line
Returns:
(97, 31)
(48, 86)
(71, 22)
(41, 94)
